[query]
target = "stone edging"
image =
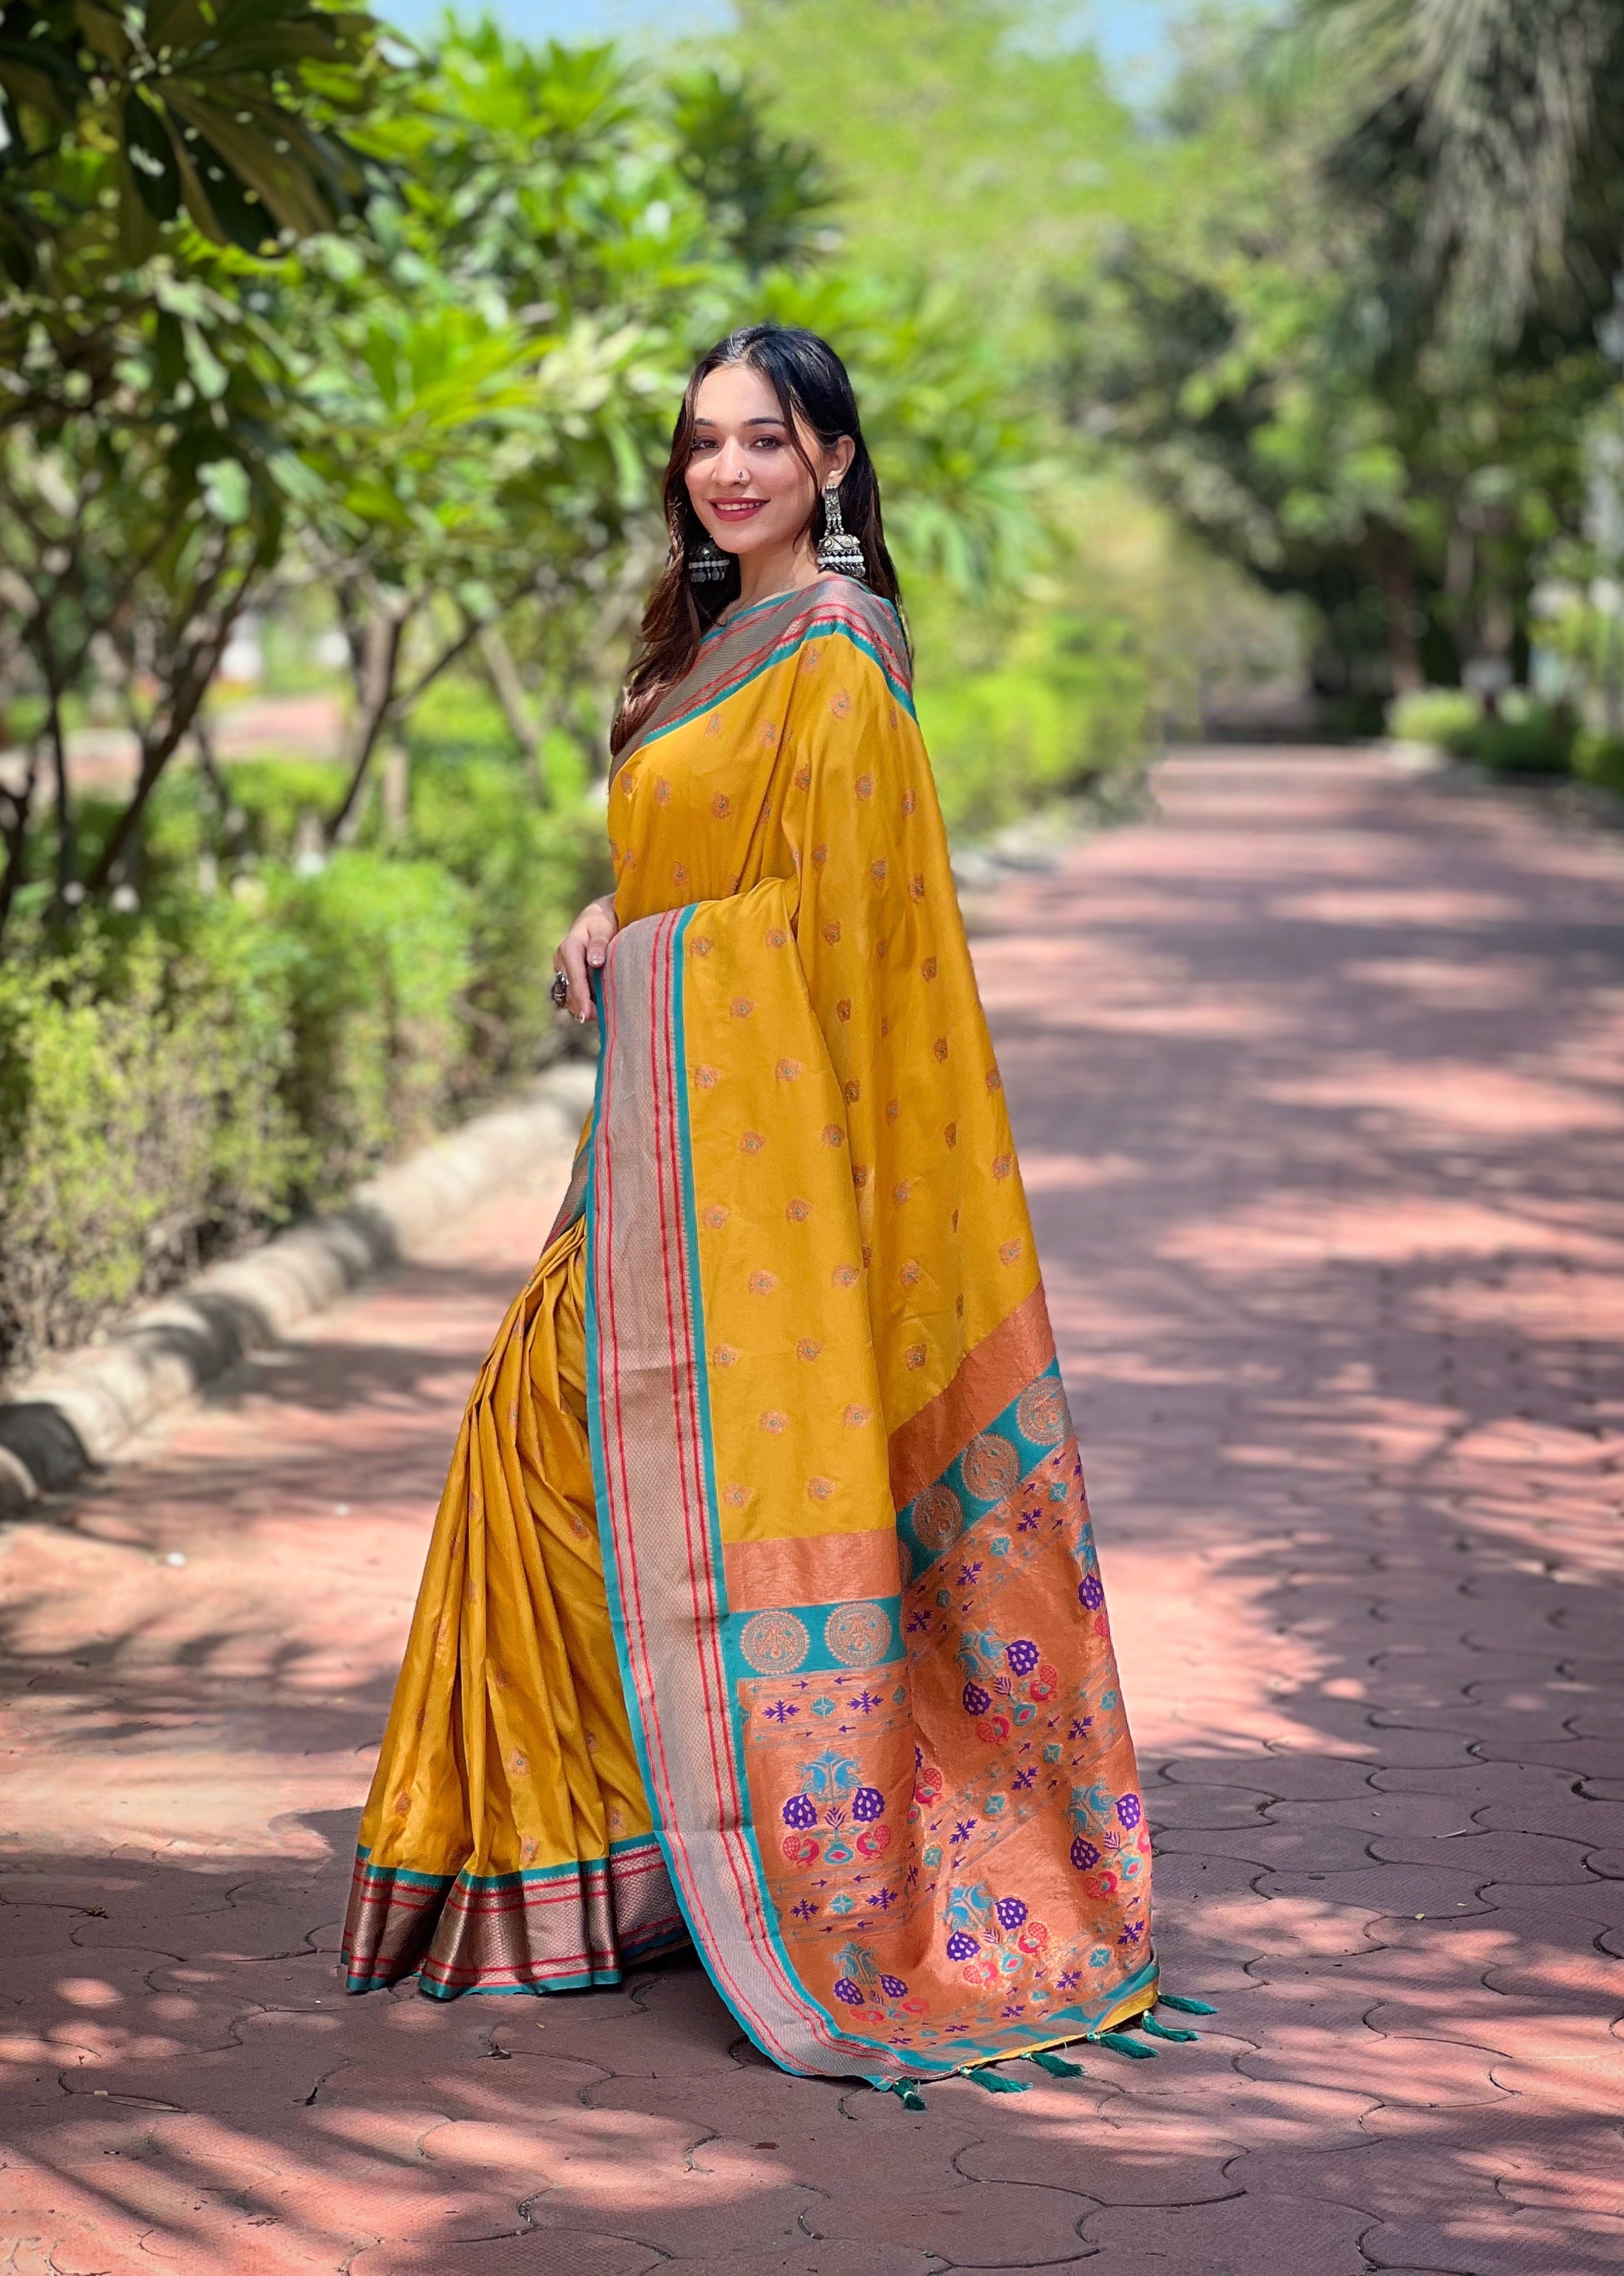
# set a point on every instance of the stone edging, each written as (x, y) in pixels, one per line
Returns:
(70, 1416)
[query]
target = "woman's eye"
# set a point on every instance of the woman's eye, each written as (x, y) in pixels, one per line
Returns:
(769, 442)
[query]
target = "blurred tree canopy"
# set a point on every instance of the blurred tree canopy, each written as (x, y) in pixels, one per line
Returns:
(1362, 346)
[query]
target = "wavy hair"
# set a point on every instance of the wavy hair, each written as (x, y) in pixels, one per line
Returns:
(813, 391)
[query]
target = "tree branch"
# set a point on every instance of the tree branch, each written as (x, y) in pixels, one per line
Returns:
(14, 834)
(384, 634)
(188, 687)
(515, 706)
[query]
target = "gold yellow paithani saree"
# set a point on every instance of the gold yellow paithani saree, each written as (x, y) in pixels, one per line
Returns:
(762, 1606)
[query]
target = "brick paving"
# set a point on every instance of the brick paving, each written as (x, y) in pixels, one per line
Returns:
(1317, 1085)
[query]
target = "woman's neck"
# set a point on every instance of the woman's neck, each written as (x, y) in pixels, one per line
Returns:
(762, 576)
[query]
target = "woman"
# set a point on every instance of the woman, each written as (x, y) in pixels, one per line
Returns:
(762, 1606)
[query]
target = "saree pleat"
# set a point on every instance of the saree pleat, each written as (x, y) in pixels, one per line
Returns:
(506, 1844)
(763, 1598)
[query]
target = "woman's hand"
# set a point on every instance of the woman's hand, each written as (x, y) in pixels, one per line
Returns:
(583, 949)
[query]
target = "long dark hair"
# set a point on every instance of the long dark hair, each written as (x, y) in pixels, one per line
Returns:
(812, 387)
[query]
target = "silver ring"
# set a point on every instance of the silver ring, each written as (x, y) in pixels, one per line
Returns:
(560, 990)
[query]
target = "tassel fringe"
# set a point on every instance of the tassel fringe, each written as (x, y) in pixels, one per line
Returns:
(1057, 2066)
(1122, 2043)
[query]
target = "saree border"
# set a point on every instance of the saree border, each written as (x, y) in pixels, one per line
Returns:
(725, 1892)
(831, 615)
(399, 1914)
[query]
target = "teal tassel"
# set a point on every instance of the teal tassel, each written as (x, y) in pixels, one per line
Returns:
(1160, 2030)
(909, 2097)
(1120, 2044)
(1057, 2066)
(1185, 2006)
(996, 2083)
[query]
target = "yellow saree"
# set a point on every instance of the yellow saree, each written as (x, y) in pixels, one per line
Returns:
(762, 1605)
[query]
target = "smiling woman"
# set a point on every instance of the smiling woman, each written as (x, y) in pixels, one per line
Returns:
(762, 1605)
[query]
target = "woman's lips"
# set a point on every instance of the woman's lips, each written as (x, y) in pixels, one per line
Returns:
(736, 509)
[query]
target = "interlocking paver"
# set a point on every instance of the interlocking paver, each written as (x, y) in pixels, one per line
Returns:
(1315, 1084)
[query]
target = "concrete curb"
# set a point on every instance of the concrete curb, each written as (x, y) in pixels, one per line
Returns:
(70, 1415)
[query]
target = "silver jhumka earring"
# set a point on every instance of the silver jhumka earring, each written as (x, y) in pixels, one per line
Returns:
(708, 564)
(837, 548)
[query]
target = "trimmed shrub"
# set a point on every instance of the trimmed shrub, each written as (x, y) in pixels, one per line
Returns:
(1599, 758)
(527, 870)
(143, 1122)
(1525, 738)
(1444, 717)
(379, 954)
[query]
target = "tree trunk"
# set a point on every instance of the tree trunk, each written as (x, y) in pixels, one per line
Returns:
(15, 806)
(67, 849)
(187, 688)
(384, 634)
(515, 707)
(1396, 577)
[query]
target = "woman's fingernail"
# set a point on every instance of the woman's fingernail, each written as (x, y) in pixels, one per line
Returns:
(594, 956)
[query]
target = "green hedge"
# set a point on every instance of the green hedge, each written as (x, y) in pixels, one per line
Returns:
(171, 1083)
(1521, 736)
(1070, 704)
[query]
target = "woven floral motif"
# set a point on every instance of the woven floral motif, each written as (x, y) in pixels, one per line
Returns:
(1041, 1414)
(990, 1467)
(858, 1636)
(775, 1640)
(938, 1517)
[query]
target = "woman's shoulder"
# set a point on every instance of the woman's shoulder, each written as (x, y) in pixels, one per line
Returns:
(840, 604)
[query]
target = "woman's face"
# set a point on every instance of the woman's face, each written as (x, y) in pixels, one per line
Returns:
(748, 483)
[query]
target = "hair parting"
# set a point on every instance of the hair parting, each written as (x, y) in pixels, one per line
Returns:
(813, 391)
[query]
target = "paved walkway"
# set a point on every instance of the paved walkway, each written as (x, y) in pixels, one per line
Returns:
(1316, 1087)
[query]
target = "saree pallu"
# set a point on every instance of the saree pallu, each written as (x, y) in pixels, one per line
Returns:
(851, 1619)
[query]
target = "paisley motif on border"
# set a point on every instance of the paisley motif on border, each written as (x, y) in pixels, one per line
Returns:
(775, 1643)
(938, 1519)
(858, 1636)
(991, 1467)
(1043, 1414)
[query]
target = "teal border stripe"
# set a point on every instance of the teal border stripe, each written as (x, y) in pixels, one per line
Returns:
(819, 1659)
(844, 2037)
(1030, 1455)
(813, 630)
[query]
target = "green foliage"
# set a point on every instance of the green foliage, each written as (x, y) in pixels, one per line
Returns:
(1043, 703)
(172, 1083)
(526, 871)
(1444, 717)
(1520, 736)
(1598, 758)
(1485, 139)
(271, 797)
(768, 194)
(1267, 357)
(1525, 738)
(143, 1118)
(380, 955)
(976, 146)
(225, 116)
